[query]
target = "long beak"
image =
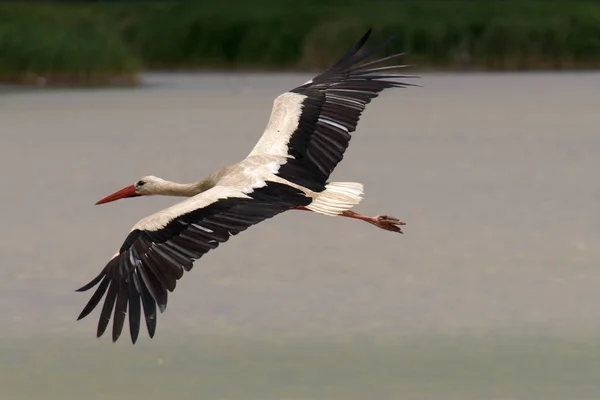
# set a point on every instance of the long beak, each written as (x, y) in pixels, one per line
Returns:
(128, 191)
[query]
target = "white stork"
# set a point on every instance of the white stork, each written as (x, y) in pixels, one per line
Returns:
(305, 138)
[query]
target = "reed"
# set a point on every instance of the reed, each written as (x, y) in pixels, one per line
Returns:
(69, 46)
(99, 41)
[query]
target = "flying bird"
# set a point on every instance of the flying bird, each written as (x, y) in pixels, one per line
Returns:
(305, 138)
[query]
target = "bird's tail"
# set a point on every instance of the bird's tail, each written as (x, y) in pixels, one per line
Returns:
(336, 198)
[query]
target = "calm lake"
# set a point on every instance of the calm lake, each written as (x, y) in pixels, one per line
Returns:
(492, 293)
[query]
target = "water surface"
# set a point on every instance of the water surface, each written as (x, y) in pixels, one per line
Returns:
(491, 293)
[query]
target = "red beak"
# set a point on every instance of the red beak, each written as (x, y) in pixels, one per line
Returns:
(128, 191)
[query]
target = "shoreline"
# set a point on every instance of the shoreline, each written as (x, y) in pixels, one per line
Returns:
(30, 80)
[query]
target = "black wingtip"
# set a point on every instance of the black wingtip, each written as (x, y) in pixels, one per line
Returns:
(107, 308)
(364, 38)
(350, 58)
(354, 49)
(372, 51)
(133, 339)
(95, 299)
(93, 282)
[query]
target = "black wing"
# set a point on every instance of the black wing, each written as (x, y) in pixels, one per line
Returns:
(331, 111)
(150, 262)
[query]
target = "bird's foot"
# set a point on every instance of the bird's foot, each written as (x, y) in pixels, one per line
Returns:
(388, 223)
(385, 222)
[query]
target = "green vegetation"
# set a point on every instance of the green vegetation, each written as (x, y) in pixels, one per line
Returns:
(43, 45)
(113, 39)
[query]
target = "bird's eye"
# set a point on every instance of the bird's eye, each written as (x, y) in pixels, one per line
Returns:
(140, 183)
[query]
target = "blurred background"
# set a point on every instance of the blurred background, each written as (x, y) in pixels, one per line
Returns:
(492, 292)
(97, 42)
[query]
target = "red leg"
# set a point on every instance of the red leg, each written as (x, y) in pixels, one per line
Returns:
(385, 222)
(381, 221)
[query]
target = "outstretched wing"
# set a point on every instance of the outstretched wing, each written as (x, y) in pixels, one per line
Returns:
(312, 123)
(160, 247)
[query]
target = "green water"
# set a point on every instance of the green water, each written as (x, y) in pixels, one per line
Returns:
(235, 368)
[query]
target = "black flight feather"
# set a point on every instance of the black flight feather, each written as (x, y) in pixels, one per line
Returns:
(150, 263)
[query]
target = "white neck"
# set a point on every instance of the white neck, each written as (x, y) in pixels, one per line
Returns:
(168, 188)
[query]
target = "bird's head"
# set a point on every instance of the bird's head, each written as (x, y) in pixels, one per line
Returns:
(145, 186)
